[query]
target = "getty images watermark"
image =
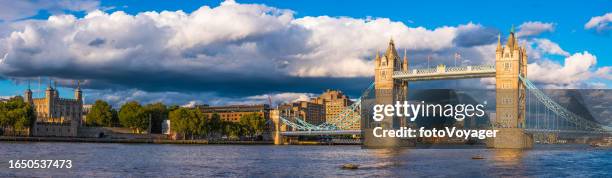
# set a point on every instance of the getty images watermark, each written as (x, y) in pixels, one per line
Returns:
(414, 110)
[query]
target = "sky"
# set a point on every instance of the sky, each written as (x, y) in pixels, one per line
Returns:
(244, 52)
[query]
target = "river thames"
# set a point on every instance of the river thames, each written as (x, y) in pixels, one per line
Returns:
(150, 160)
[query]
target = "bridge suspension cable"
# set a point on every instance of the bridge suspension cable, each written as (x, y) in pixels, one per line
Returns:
(341, 121)
(559, 110)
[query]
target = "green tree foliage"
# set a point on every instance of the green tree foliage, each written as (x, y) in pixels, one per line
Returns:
(192, 123)
(215, 126)
(115, 119)
(134, 116)
(16, 114)
(158, 113)
(232, 130)
(101, 114)
(188, 122)
(254, 124)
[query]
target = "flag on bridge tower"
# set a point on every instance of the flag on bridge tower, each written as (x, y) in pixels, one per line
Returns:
(457, 57)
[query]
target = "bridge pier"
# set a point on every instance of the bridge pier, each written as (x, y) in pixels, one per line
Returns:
(512, 138)
(278, 127)
(278, 138)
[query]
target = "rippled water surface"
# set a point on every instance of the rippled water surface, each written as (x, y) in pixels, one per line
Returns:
(147, 160)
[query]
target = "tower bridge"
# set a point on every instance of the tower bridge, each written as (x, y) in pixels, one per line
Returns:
(513, 88)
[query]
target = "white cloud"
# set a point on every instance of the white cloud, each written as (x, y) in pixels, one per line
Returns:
(574, 72)
(600, 23)
(118, 98)
(604, 72)
(260, 43)
(158, 55)
(260, 39)
(276, 98)
(546, 46)
(534, 28)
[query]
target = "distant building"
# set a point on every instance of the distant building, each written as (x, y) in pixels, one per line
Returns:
(336, 113)
(56, 116)
(310, 112)
(233, 113)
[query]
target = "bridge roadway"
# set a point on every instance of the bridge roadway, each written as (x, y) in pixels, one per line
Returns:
(442, 72)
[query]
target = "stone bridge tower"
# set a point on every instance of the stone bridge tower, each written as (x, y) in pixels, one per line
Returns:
(387, 92)
(510, 62)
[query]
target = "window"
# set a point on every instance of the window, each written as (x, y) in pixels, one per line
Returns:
(507, 115)
(507, 100)
(507, 66)
(506, 85)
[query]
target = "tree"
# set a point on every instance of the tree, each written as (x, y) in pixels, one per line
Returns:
(158, 113)
(178, 121)
(199, 123)
(16, 114)
(214, 125)
(253, 124)
(115, 119)
(101, 114)
(232, 130)
(188, 122)
(133, 116)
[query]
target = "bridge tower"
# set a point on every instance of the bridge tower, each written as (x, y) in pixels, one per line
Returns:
(387, 91)
(510, 62)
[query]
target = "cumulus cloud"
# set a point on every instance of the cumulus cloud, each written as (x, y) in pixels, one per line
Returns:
(275, 99)
(118, 98)
(263, 50)
(15, 10)
(573, 73)
(600, 23)
(604, 72)
(548, 47)
(534, 28)
(230, 54)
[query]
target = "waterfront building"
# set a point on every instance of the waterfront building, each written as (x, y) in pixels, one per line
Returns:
(336, 103)
(310, 112)
(56, 116)
(233, 113)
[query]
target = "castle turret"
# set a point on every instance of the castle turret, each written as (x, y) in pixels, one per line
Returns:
(55, 91)
(28, 95)
(78, 94)
(49, 98)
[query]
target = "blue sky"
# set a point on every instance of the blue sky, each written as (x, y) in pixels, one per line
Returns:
(568, 19)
